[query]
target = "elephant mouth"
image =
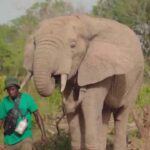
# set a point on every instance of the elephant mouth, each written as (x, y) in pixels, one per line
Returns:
(57, 79)
(60, 80)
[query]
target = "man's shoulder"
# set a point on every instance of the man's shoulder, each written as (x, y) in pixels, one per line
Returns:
(4, 102)
(4, 99)
(26, 95)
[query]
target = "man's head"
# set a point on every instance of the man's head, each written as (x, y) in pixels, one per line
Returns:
(12, 86)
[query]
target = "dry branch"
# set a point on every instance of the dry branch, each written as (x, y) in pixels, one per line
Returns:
(143, 124)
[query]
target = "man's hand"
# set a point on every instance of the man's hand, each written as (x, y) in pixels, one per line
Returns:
(1, 123)
(1, 147)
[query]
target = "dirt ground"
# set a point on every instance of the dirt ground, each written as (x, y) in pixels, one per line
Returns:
(133, 139)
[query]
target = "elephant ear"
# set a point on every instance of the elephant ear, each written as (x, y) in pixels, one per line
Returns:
(29, 54)
(102, 61)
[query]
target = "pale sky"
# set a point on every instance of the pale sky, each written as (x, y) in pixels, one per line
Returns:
(11, 9)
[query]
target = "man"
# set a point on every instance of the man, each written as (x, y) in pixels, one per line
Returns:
(25, 105)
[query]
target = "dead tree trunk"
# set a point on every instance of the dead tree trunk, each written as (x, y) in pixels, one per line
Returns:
(143, 125)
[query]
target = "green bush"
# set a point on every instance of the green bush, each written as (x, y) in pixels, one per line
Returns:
(144, 96)
(2, 92)
(130, 12)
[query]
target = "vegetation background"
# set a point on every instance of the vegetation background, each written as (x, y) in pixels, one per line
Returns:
(135, 14)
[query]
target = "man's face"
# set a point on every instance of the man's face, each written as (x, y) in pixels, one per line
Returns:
(12, 91)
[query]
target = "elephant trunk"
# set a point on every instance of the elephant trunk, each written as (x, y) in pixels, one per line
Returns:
(44, 81)
(44, 87)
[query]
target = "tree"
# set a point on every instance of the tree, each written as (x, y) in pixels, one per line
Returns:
(14, 35)
(7, 35)
(135, 14)
(50, 8)
(143, 125)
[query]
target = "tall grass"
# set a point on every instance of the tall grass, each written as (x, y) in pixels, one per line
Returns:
(144, 96)
(2, 92)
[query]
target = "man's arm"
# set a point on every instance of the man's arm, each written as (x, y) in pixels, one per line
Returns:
(40, 123)
(1, 123)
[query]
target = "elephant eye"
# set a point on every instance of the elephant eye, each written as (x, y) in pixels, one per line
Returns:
(73, 44)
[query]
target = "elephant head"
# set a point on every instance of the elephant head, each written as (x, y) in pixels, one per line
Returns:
(55, 49)
(65, 46)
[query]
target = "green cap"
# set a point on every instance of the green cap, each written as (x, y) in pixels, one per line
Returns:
(10, 81)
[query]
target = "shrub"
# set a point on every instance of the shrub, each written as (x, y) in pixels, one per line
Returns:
(144, 96)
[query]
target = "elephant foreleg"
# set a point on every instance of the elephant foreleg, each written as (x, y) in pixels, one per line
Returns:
(92, 111)
(75, 119)
(77, 138)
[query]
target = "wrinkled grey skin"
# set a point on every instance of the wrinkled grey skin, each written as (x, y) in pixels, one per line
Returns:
(100, 64)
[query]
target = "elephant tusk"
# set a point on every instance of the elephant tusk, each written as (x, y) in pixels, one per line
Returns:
(26, 79)
(63, 81)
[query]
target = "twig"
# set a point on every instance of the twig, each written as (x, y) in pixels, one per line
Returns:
(58, 122)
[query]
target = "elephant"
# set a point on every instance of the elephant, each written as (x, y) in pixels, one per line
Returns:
(98, 64)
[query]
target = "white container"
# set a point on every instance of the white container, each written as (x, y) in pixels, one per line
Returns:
(22, 125)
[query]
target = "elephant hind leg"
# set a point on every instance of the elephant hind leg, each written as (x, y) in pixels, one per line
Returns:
(106, 115)
(121, 116)
(121, 120)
